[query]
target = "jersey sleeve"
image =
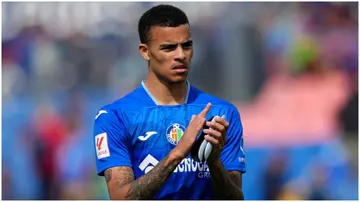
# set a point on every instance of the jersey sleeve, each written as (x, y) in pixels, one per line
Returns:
(111, 143)
(233, 155)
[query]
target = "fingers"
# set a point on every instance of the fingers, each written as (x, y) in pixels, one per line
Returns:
(192, 118)
(200, 124)
(215, 126)
(204, 112)
(219, 124)
(213, 132)
(200, 120)
(218, 128)
(212, 140)
(196, 123)
(222, 121)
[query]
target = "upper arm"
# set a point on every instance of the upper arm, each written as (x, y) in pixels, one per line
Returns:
(233, 155)
(111, 144)
(117, 177)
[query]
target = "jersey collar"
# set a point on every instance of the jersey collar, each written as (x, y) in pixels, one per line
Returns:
(153, 99)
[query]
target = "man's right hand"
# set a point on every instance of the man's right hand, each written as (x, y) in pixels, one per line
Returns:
(197, 122)
(122, 184)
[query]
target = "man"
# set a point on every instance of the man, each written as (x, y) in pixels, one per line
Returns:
(142, 147)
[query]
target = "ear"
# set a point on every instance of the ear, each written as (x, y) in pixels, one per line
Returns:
(144, 51)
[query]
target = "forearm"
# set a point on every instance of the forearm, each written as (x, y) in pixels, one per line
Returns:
(223, 182)
(147, 186)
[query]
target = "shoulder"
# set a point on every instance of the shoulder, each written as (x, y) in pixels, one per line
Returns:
(200, 97)
(131, 103)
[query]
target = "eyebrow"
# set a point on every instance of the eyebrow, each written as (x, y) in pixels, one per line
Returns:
(173, 45)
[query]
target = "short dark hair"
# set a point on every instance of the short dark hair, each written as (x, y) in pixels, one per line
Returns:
(161, 15)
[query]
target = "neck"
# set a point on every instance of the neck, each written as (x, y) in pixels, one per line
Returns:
(165, 93)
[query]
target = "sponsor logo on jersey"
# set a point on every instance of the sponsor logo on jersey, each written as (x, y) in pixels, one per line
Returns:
(147, 135)
(99, 113)
(148, 163)
(102, 148)
(174, 133)
(185, 166)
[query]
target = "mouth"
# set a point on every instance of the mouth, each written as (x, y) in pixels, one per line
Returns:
(180, 68)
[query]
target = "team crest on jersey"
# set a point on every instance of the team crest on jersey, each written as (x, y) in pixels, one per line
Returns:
(174, 133)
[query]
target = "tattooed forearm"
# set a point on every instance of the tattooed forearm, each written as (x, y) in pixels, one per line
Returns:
(148, 185)
(125, 175)
(121, 183)
(227, 185)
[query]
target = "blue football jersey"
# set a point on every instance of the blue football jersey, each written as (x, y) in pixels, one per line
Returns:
(134, 131)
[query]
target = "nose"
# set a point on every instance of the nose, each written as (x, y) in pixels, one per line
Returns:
(180, 54)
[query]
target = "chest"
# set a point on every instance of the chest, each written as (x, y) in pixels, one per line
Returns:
(154, 133)
(158, 130)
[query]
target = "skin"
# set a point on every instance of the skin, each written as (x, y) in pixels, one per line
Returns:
(166, 48)
(122, 184)
(227, 184)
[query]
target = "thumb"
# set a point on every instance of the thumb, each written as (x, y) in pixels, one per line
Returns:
(192, 118)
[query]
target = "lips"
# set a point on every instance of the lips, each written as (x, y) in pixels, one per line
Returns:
(179, 67)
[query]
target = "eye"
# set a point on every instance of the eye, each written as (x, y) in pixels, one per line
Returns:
(187, 45)
(169, 47)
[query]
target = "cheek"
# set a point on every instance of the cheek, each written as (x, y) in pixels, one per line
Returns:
(163, 59)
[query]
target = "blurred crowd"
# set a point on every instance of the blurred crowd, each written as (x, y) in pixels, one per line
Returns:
(290, 68)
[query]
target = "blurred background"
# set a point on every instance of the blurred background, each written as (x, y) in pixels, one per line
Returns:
(290, 68)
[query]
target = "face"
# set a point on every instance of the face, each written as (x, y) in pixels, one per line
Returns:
(169, 52)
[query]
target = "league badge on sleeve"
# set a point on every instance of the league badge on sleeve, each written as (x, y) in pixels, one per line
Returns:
(102, 148)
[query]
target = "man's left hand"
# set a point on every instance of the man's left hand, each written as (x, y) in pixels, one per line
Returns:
(216, 135)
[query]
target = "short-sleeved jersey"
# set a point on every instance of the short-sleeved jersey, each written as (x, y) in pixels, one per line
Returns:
(134, 131)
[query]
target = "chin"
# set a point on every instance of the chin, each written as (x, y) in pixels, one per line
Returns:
(178, 79)
(174, 79)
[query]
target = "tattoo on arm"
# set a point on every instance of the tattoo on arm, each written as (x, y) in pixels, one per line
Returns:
(227, 185)
(107, 175)
(147, 186)
(125, 175)
(121, 183)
